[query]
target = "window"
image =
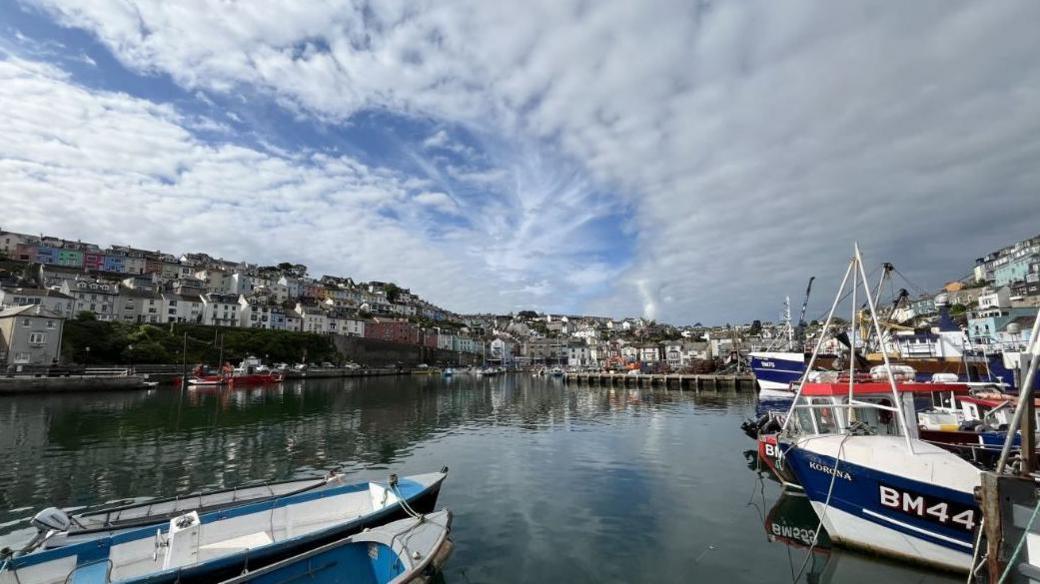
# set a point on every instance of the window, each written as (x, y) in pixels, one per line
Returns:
(21, 357)
(37, 338)
(25, 322)
(50, 324)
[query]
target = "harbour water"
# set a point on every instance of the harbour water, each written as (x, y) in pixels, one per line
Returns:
(549, 482)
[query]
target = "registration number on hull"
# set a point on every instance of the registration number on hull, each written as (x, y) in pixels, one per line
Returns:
(927, 507)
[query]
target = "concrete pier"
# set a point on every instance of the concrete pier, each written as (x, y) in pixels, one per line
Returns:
(714, 382)
(68, 383)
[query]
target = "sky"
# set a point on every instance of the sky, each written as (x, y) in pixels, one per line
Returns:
(683, 161)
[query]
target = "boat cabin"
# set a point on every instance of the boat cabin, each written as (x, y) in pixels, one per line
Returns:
(825, 407)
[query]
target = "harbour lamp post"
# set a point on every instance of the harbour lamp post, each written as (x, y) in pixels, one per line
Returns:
(86, 360)
(130, 349)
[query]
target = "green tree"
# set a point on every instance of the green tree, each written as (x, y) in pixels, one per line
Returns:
(393, 292)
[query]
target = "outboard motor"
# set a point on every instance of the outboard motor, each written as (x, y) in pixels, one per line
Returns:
(51, 519)
(752, 426)
(48, 523)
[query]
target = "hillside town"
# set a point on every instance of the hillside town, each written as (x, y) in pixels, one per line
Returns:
(45, 280)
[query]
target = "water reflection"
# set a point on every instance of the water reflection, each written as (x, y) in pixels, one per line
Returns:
(548, 482)
(811, 557)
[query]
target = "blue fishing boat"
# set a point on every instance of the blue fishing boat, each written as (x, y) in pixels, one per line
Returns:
(872, 484)
(777, 372)
(411, 550)
(223, 544)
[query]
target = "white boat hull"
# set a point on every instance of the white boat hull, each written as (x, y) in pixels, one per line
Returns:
(847, 529)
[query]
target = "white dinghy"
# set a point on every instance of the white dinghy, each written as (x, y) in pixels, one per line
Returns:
(220, 545)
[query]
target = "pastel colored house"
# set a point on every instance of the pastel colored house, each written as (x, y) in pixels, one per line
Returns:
(71, 258)
(115, 263)
(94, 261)
(25, 252)
(46, 255)
(394, 331)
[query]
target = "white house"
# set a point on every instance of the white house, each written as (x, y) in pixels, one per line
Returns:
(220, 309)
(346, 323)
(182, 307)
(578, 356)
(995, 298)
(241, 283)
(292, 286)
(217, 281)
(139, 305)
(313, 319)
(96, 296)
(500, 349)
(293, 321)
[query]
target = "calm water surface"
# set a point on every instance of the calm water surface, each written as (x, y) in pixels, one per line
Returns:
(549, 483)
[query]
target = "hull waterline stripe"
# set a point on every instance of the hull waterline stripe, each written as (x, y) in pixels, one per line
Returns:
(917, 529)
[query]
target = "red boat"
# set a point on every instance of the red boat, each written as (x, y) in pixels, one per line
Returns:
(250, 372)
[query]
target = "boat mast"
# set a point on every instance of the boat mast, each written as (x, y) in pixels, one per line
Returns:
(819, 344)
(897, 408)
(860, 279)
(787, 323)
(852, 344)
(1025, 394)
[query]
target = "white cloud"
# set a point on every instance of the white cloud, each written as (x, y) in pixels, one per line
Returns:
(436, 140)
(751, 141)
(111, 168)
(438, 201)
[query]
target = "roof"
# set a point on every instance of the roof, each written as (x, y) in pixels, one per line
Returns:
(137, 292)
(46, 292)
(34, 310)
(879, 388)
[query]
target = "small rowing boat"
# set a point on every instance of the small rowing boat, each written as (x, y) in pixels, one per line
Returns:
(108, 520)
(411, 550)
(223, 544)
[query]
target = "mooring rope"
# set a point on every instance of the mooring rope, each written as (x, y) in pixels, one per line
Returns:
(826, 506)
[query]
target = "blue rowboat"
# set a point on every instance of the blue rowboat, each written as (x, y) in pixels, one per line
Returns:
(112, 519)
(222, 544)
(409, 550)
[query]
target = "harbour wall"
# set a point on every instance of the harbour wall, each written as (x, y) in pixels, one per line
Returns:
(63, 384)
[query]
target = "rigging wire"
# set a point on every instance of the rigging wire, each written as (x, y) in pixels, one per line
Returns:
(826, 506)
(847, 294)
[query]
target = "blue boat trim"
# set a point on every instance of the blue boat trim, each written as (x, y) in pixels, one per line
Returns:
(863, 500)
(93, 551)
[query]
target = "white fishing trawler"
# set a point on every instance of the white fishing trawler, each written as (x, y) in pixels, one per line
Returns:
(874, 486)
